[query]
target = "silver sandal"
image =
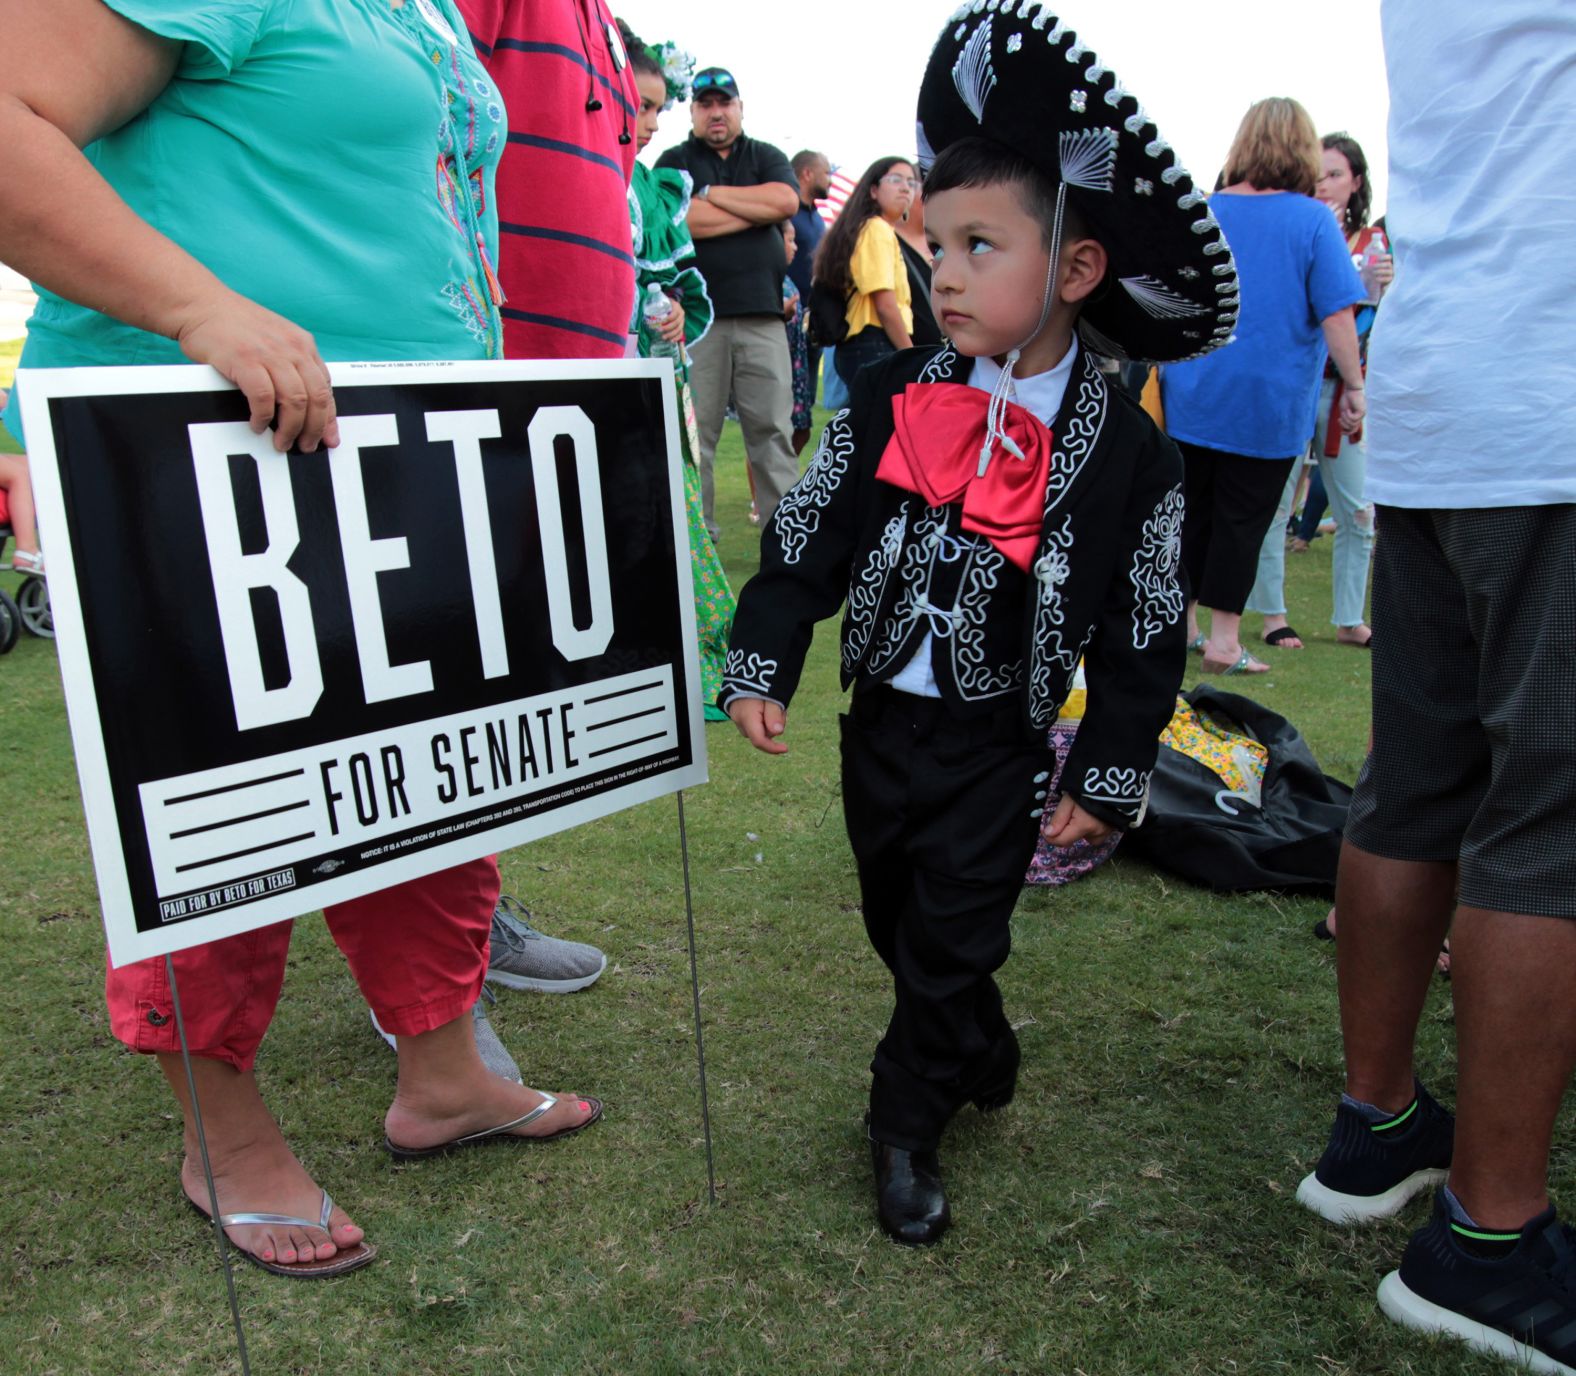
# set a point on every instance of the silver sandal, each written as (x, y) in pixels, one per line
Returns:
(502, 1131)
(346, 1259)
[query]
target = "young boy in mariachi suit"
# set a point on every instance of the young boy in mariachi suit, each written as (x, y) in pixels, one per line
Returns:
(990, 511)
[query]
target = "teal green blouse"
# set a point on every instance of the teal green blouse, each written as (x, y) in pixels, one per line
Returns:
(332, 160)
(659, 202)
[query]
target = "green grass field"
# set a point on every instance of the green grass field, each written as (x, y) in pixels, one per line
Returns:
(1132, 1212)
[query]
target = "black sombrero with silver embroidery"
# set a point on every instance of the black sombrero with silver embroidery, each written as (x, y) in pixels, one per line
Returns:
(1012, 72)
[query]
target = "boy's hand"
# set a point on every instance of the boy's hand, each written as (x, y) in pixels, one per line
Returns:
(1071, 823)
(760, 722)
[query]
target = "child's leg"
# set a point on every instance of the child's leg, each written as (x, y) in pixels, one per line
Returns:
(947, 1020)
(938, 813)
(19, 496)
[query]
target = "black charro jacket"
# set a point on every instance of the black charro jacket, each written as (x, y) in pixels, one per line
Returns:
(1103, 586)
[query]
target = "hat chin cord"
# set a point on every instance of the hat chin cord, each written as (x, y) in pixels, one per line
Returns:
(996, 412)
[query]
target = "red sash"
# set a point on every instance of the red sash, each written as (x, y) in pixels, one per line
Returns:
(935, 452)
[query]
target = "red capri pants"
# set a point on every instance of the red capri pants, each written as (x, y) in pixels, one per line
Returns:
(418, 951)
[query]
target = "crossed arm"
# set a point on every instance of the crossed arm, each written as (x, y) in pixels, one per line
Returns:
(730, 209)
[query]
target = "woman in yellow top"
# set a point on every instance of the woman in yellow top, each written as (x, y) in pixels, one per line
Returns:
(862, 259)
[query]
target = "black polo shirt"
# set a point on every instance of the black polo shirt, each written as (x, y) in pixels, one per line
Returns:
(743, 271)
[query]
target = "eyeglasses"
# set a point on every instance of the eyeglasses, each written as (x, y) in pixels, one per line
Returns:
(898, 179)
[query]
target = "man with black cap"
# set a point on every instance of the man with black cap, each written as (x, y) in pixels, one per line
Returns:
(744, 190)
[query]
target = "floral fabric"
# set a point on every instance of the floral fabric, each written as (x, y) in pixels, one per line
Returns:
(659, 205)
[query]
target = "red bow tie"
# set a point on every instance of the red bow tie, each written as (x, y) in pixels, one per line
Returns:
(935, 451)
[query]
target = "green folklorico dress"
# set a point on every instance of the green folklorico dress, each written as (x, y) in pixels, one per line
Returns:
(658, 204)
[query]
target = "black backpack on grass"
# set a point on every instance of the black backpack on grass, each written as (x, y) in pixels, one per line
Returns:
(1289, 843)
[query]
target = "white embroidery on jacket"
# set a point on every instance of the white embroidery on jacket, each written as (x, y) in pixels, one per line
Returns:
(1074, 443)
(939, 369)
(798, 515)
(1116, 786)
(918, 563)
(867, 587)
(1157, 595)
(748, 673)
(975, 679)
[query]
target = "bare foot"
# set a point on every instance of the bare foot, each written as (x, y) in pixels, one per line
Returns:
(1224, 661)
(445, 1092)
(254, 1169)
(1278, 634)
(419, 1121)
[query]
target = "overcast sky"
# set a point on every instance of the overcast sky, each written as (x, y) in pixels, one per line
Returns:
(842, 76)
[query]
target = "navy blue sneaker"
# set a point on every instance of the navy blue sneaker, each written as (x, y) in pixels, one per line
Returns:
(1369, 1171)
(1521, 1307)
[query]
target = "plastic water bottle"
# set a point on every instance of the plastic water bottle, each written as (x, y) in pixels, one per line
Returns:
(1377, 251)
(657, 308)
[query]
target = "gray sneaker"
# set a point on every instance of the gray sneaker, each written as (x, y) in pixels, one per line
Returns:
(495, 1056)
(523, 958)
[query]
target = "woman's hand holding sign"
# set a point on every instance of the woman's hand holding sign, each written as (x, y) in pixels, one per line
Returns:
(72, 72)
(274, 362)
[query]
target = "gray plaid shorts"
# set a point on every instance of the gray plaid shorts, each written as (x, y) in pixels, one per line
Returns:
(1474, 702)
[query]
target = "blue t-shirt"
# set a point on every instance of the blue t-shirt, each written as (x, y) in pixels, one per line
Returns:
(809, 229)
(1259, 395)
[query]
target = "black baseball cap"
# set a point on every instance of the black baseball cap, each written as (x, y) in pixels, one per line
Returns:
(718, 79)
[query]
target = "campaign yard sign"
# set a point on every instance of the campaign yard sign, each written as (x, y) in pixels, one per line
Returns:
(296, 679)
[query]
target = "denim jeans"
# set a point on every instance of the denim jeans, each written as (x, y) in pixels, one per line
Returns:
(1314, 505)
(1354, 529)
(866, 347)
(834, 391)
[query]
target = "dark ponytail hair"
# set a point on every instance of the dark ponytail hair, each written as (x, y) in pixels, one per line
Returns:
(1363, 198)
(640, 58)
(836, 250)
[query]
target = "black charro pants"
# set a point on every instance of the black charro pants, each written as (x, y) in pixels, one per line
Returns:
(939, 816)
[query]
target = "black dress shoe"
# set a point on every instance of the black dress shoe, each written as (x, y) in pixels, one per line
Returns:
(998, 1080)
(910, 1202)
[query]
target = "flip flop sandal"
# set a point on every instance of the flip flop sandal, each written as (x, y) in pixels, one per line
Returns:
(1196, 645)
(345, 1260)
(1242, 666)
(503, 1132)
(1276, 638)
(1321, 930)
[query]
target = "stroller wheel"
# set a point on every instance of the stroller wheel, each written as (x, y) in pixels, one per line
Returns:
(10, 622)
(32, 600)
